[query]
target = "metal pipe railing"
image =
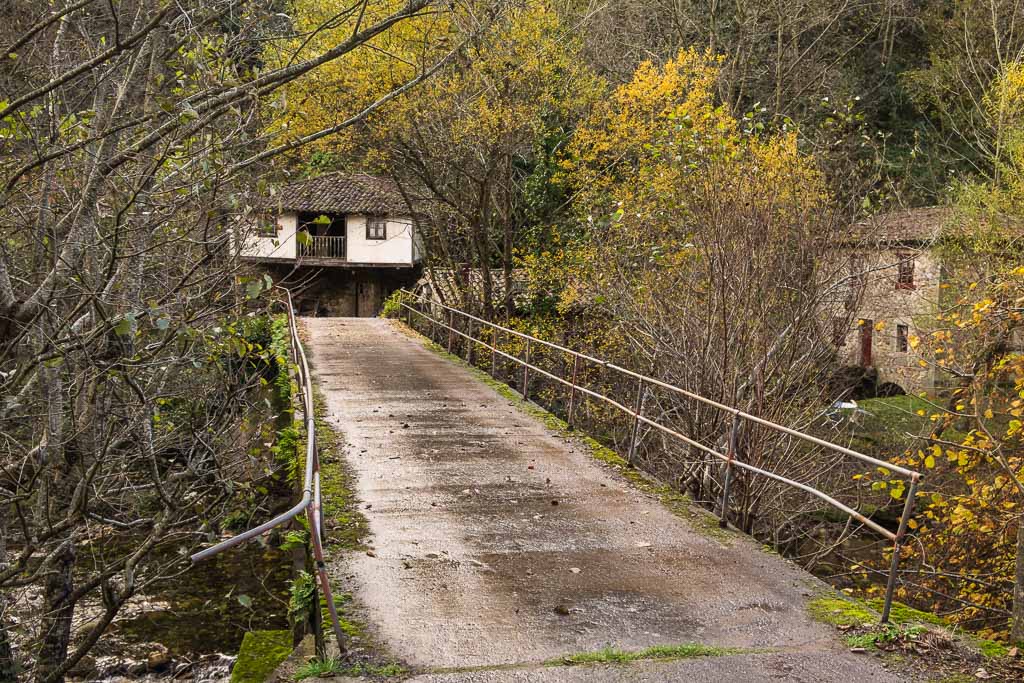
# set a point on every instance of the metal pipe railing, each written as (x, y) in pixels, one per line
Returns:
(729, 458)
(310, 503)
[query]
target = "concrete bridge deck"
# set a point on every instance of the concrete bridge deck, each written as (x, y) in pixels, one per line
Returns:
(500, 545)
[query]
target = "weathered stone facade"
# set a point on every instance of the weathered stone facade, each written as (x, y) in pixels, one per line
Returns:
(894, 296)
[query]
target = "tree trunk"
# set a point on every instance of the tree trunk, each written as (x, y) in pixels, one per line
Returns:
(1017, 631)
(8, 672)
(55, 625)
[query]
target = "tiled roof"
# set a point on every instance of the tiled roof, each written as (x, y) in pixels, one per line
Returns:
(925, 225)
(905, 225)
(339, 193)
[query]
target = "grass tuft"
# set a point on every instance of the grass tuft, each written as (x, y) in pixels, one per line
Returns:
(610, 655)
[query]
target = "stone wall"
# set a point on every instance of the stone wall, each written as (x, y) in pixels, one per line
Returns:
(885, 306)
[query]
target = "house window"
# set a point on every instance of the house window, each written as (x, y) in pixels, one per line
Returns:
(376, 228)
(905, 274)
(902, 336)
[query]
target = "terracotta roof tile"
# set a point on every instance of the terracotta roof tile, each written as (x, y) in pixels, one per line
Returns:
(928, 224)
(906, 225)
(339, 193)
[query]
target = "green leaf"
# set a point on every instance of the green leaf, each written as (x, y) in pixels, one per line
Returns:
(303, 238)
(125, 325)
(253, 289)
(245, 601)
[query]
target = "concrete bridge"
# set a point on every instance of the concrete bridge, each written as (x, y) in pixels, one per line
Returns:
(500, 545)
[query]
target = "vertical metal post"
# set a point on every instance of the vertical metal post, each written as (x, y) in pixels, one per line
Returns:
(494, 353)
(313, 515)
(637, 407)
(470, 343)
(451, 329)
(890, 587)
(572, 389)
(723, 522)
(526, 371)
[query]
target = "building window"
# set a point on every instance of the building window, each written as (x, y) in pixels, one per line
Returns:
(902, 338)
(905, 274)
(376, 228)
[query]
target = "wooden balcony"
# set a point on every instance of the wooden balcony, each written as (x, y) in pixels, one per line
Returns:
(322, 248)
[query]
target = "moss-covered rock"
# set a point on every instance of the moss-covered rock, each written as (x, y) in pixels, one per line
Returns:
(261, 653)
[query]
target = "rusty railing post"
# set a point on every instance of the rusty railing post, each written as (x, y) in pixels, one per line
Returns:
(470, 342)
(494, 352)
(723, 522)
(572, 389)
(451, 329)
(890, 586)
(637, 407)
(526, 372)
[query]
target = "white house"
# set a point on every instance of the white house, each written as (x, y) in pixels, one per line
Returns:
(356, 230)
(353, 220)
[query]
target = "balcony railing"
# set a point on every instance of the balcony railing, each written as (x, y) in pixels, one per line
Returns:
(326, 246)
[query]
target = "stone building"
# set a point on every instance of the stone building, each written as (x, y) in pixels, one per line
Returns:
(895, 284)
(346, 241)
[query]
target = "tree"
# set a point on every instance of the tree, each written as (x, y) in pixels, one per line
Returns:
(706, 259)
(130, 133)
(476, 146)
(970, 536)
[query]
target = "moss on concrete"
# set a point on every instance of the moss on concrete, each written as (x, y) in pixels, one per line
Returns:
(261, 653)
(988, 648)
(348, 531)
(337, 482)
(611, 655)
(848, 612)
(902, 614)
(839, 611)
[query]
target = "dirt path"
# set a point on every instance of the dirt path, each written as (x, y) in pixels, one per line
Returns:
(501, 545)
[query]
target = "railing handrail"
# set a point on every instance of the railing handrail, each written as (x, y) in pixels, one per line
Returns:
(729, 457)
(310, 501)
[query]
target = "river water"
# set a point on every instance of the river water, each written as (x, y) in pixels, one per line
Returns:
(190, 627)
